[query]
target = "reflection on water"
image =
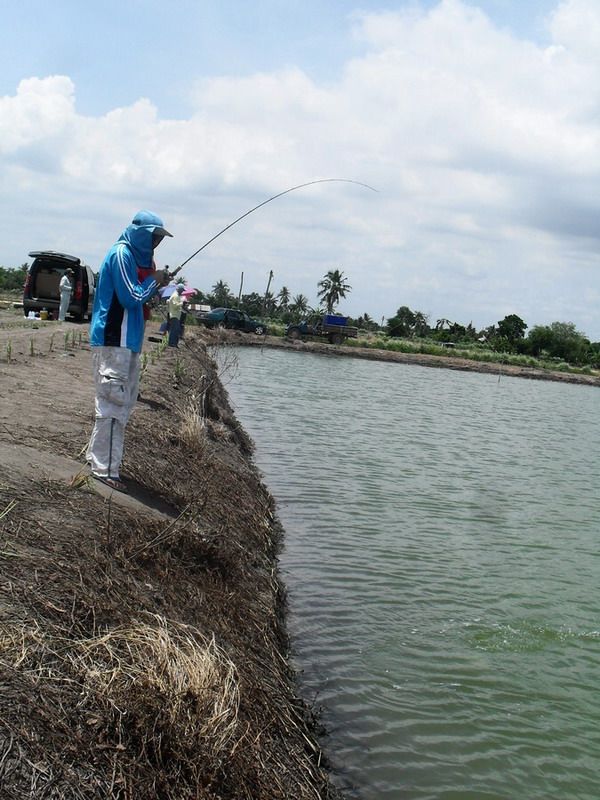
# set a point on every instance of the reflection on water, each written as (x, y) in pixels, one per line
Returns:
(442, 561)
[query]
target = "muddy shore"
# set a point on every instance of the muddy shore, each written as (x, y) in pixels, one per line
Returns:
(143, 649)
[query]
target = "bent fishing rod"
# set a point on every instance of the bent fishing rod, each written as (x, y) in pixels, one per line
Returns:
(264, 203)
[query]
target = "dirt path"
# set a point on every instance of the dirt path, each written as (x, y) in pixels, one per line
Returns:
(142, 639)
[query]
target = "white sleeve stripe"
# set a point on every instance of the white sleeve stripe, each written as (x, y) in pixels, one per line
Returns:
(123, 272)
(128, 284)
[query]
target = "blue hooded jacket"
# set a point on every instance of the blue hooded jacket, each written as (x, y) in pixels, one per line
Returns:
(118, 316)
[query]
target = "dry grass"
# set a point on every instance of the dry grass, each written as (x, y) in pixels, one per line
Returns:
(193, 429)
(189, 682)
(159, 695)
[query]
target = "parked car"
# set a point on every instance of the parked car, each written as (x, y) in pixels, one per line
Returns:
(232, 318)
(43, 279)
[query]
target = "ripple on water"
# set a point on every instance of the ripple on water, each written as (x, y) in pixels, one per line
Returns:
(441, 558)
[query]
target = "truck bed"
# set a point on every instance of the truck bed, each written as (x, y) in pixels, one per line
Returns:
(345, 330)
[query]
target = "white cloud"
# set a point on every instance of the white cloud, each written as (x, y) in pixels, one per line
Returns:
(41, 109)
(485, 149)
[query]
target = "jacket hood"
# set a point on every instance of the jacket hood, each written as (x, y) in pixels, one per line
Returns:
(138, 236)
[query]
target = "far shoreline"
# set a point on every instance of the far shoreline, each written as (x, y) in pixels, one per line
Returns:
(420, 359)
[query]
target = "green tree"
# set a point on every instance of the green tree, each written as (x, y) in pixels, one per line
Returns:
(221, 296)
(512, 327)
(284, 298)
(269, 303)
(560, 340)
(402, 323)
(299, 304)
(539, 339)
(252, 303)
(13, 280)
(333, 288)
(446, 331)
(421, 324)
(366, 322)
(457, 331)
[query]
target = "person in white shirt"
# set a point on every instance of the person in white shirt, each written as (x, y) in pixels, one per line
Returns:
(66, 290)
(175, 306)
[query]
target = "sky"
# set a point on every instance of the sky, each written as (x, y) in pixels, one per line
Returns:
(475, 122)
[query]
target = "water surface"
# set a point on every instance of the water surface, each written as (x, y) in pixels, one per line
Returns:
(442, 562)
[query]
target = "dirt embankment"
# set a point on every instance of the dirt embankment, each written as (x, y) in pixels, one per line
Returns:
(421, 359)
(143, 651)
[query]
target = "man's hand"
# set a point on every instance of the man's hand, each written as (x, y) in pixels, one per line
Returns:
(161, 276)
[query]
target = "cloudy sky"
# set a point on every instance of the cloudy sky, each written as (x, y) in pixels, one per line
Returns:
(477, 121)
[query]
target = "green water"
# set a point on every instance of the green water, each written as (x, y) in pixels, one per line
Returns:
(442, 562)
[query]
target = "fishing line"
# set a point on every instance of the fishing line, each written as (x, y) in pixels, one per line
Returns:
(264, 203)
(235, 221)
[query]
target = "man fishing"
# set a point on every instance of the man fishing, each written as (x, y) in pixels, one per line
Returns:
(116, 336)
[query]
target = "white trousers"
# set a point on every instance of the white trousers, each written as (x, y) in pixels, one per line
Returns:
(117, 379)
(65, 297)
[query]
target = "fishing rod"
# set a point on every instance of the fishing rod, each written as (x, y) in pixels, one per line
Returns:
(264, 203)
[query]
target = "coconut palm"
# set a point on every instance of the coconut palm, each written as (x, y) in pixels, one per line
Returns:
(420, 324)
(221, 295)
(299, 304)
(333, 288)
(284, 298)
(269, 303)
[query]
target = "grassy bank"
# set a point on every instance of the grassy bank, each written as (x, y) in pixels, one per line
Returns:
(477, 352)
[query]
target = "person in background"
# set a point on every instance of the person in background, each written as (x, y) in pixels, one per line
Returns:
(175, 307)
(116, 335)
(183, 318)
(65, 288)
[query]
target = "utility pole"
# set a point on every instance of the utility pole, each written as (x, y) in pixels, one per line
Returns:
(240, 292)
(262, 313)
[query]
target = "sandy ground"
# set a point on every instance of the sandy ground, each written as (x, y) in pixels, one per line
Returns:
(143, 650)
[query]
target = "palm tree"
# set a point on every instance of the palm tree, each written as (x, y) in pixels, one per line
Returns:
(299, 304)
(442, 323)
(333, 288)
(269, 303)
(221, 295)
(284, 297)
(420, 324)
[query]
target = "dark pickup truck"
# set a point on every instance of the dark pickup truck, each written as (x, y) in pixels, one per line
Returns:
(332, 327)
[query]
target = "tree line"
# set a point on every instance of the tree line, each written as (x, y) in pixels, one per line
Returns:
(13, 280)
(559, 340)
(281, 306)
